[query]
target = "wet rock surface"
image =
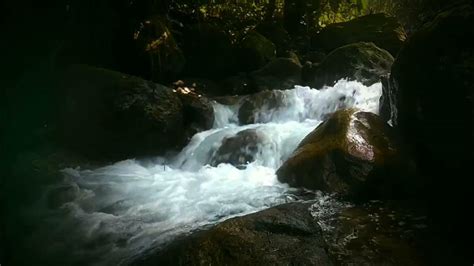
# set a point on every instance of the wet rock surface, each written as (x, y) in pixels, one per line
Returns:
(283, 235)
(354, 154)
(251, 110)
(238, 150)
(321, 232)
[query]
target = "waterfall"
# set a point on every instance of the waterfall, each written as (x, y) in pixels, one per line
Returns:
(120, 211)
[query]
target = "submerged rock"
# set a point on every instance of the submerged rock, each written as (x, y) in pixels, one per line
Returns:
(239, 149)
(363, 62)
(113, 115)
(283, 235)
(354, 154)
(254, 106)
(380, 29)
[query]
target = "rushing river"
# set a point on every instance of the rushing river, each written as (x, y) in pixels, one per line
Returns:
(120, 211)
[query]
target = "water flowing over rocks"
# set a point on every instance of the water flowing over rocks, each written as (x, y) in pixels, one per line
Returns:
(130, 208)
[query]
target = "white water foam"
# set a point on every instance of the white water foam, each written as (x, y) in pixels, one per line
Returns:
(126, 208)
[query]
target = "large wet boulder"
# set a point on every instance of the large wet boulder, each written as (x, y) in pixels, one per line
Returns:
(238, 150)
(110, 114)
(283, 235)
(429, 98)
(354, 154)
(380, 29)
(361, 61)
(255, 51)
(157, 51)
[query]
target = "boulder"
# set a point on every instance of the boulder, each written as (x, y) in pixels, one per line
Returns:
(322, 232)
(254, 108)
(238, 150)
(255, 51)
(276, 33)
(161, 58)
(363, 62)
(283, 235)
(429, 99)
(198, 113)
(354, 154)
(112, 115)
(279, 74)
(380, 29)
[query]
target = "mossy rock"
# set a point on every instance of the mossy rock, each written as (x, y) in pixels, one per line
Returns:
(354, 154)
(281, 73)
(112, 115)
(255, 51)
(364, 62)
(380, 29)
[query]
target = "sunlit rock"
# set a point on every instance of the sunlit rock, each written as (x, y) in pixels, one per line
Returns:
(354, 154)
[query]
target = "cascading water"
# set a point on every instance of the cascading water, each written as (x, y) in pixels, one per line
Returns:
(122, 210)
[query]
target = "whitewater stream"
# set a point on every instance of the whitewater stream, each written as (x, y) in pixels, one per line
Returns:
(123, 210)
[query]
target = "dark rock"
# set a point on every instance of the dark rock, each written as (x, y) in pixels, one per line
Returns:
(209, 52)
(161, 58)
(283, 235)
(198, 113)
(380, 233)
(240, 84)
(255, 51)
(363, 62)
(277, 34)
(110, 114)
(314, 57)
(60, 195)
(228, 100)
(253, 106)
(354, 154)
(380, 29)
(239, 149)
(429, 98)
(279, 74)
